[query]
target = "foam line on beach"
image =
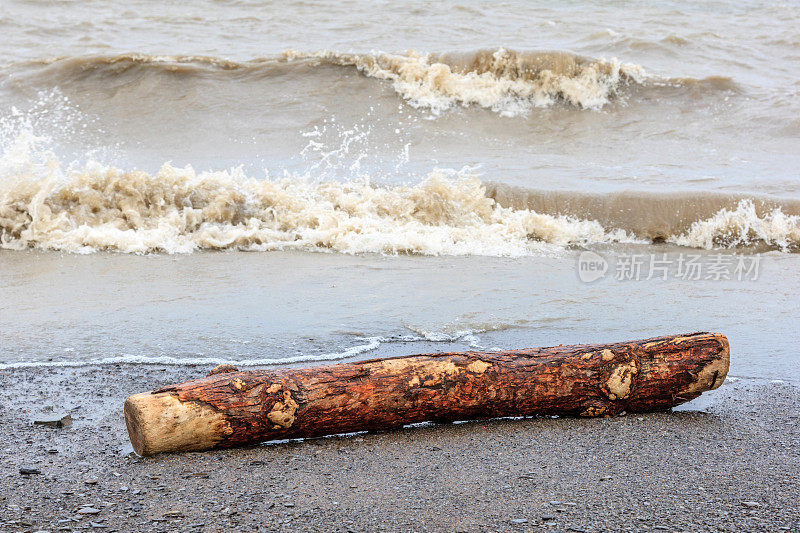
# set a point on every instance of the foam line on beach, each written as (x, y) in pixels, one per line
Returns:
(468, 336)
(371, 344)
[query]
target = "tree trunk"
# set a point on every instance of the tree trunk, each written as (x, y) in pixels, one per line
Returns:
(230, 408)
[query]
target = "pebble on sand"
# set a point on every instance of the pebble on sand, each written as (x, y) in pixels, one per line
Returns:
(58, 421)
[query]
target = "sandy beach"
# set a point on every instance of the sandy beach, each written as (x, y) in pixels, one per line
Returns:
(728, 461)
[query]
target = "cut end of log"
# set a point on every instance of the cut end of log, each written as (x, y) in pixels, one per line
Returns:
(159, 422)
(713, 374)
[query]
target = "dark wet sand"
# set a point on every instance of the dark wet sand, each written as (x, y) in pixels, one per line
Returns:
(734, 465)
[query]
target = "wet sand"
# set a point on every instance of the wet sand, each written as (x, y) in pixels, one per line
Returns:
(729, 461)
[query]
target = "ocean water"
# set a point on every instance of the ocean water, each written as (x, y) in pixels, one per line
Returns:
(273, 183)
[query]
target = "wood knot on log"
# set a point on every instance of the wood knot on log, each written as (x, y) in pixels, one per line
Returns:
(621, 379)
(478, 366)
(222, 369)
(282, 414)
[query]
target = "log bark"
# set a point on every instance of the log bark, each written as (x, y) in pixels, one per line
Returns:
(230, 408)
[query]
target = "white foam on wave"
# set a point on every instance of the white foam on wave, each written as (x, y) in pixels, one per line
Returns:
(177, 210)
(461, 331)
(742, 226)
(466, 335)
(507, 82)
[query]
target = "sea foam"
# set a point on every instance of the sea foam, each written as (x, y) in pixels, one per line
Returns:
(177, 210)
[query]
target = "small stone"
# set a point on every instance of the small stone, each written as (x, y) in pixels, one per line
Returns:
(173, 514)
(288, 504)
(751, 505)
(90, 481)
(554, 503)
(519, 520)
(96, 525)
(58, 421)
(88, 510)
(29, 471)
(547, 517)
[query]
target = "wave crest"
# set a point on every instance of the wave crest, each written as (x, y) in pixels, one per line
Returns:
(742, 226)
(505, 81)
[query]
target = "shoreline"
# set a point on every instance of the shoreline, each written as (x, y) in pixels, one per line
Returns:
(729, 461)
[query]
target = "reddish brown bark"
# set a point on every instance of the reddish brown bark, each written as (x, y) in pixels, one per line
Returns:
(230, 408)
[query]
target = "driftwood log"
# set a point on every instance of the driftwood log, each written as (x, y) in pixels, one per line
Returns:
(230, 408)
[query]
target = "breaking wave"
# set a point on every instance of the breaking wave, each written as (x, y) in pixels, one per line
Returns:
(177, 210)
(744, 226)
(507, 82)
(96, 207)
(707, 220)
(504, 81)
